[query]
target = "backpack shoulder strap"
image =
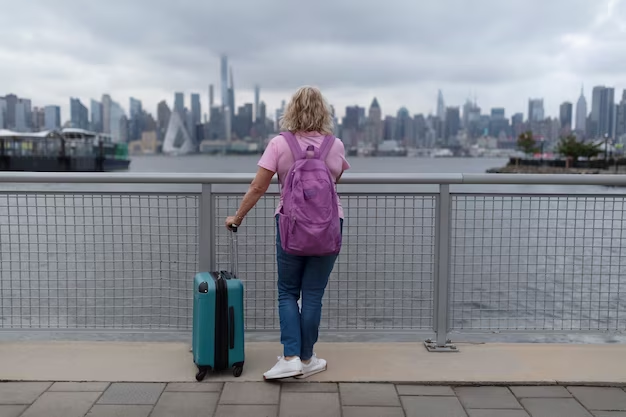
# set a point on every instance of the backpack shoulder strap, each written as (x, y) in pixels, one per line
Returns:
(296, 151)
(328, 143)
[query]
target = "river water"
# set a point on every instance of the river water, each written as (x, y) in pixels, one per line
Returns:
(552, 258)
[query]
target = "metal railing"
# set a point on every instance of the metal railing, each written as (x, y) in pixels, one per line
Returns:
(421, 253)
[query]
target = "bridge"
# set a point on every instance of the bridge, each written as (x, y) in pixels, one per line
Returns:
(443, 280)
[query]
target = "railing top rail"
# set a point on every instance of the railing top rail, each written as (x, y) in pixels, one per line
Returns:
(375, 178)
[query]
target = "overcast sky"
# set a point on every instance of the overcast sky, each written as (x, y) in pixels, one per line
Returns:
(401, 51)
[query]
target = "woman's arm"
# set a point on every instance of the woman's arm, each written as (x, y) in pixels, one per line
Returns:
(258, 187)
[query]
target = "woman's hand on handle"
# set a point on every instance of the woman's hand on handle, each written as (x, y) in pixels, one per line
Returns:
(233, 221)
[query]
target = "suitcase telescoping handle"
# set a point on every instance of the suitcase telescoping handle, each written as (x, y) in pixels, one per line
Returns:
(233, 254)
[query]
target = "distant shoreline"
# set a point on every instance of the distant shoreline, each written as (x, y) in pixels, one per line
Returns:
(509, 169)
(546, 169)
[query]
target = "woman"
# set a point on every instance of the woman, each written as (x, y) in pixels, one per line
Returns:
(309, 118)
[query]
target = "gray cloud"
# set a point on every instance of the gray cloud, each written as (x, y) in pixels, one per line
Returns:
(400, 50)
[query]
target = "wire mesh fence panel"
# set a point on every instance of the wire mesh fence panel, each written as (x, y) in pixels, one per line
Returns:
(549, 263)
(97, 261)
(383, 277)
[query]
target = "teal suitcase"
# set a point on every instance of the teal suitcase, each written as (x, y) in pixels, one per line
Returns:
(218, 333)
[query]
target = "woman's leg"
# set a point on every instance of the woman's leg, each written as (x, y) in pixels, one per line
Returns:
(315, 278)
(314, 281)
(290, 270)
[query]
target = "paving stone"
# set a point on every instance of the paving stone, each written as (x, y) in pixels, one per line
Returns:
(62, 404)
(427, 390)
(373, 412)
(310, 387)
(554, 407)
(185, 404)
(21, 392)
(497, 413)
(250, 393)
(432, 407)
(194, 387)
(100, 410)
(11, 410)
(487, 397)
(79, 386)
(247, 411)
(606, 413)
(600, 398)
(125, 393)
(541, 392)
(382, 395)
(315, 404)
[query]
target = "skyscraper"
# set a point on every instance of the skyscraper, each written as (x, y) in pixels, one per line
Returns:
(179, 103)
(257, 94)
(11, 107)
(52, 117)
(79, 116)
(441, 106)
(211, 98)
(498, 123)
(405, 129)
(517, 124)
(118, 122)
(224, 80)
(96, 116)
(231, 95)
(620, 119)
(106, 113)
(196, 116)
(468, 109)
(374, 124)
(602, 115)
(565, 117)
(136, 119)
(581, 113)
(21, 116)
(390, 126)
(163, 119)
(196, 109)
(38, 119)
(535, 110)
(452, 123)
(3, 112)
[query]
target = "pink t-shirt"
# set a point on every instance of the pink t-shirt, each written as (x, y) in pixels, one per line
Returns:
(278, 158)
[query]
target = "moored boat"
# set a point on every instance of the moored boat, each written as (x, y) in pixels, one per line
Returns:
(67, 149)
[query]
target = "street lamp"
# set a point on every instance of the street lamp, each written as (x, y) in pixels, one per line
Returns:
(606, 147)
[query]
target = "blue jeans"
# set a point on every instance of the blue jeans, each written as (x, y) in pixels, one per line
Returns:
(306, 275)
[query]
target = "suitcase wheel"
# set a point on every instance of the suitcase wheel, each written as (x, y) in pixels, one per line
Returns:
(237, 370)
(202, 371)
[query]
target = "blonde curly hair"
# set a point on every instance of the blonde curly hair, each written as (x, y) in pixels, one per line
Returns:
(308, 111)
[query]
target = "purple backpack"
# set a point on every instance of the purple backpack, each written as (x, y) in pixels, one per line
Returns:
(309, 222)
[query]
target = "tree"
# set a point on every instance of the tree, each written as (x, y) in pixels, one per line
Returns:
(573, 148)
(527, 143)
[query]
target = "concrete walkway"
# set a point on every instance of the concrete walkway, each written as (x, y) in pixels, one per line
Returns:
(296, 399)
(102, 379)
(504, 364)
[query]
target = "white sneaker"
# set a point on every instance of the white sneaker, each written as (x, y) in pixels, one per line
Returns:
(316, 365)
(284, 369)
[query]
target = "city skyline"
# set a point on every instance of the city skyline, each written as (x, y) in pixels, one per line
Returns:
(253, 97)
(50, 51)
(181, 129)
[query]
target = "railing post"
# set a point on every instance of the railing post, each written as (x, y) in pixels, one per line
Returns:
(443, 220)
(206, 230)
